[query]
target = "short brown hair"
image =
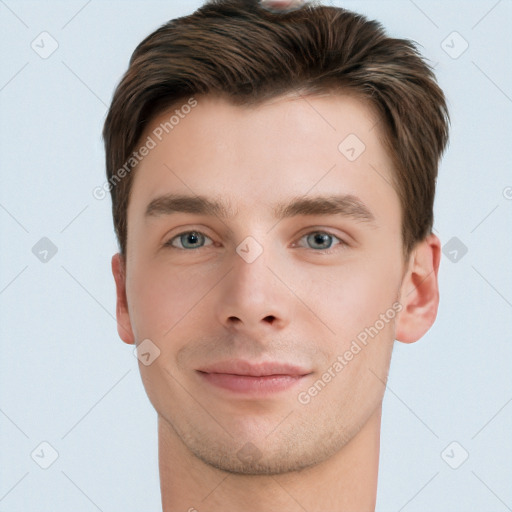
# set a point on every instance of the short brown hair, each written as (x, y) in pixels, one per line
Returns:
(239, 49)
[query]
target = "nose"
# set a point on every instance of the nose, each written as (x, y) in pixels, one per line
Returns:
(252, 299)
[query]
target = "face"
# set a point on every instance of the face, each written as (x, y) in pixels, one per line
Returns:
(272, 313)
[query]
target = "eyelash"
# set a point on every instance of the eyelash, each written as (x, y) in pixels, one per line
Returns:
(342, 243)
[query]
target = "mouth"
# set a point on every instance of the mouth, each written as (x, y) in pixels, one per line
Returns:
(259, 379)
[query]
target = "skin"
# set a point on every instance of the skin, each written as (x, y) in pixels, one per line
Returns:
(201, 303)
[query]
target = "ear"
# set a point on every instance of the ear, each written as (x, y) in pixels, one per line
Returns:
(124, 327)
(419, 292)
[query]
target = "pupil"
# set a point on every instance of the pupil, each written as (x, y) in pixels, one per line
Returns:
(321, 238)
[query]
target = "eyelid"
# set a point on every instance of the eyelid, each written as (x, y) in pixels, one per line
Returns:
(344, 237)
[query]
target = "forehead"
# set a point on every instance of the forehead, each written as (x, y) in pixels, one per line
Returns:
(253, 155)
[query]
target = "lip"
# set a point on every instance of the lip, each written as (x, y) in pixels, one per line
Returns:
(259, 379)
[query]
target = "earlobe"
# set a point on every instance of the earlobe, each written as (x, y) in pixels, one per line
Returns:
(124, 327)
(419, 293)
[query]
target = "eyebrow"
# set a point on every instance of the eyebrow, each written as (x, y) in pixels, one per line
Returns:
(346, 205)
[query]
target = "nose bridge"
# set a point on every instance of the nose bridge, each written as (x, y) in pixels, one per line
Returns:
(252, 281)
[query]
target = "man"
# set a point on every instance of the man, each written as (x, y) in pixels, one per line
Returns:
(272, 173)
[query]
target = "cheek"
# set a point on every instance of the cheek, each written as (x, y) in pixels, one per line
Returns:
(162, 297)
(352, 297)
(359, 308)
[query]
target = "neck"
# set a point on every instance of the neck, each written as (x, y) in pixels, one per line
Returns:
(347, 481)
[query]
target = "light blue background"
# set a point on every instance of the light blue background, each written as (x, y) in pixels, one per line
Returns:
(67, 378)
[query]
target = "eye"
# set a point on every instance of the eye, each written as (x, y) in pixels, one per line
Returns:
(188, 240)
(322, 240)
